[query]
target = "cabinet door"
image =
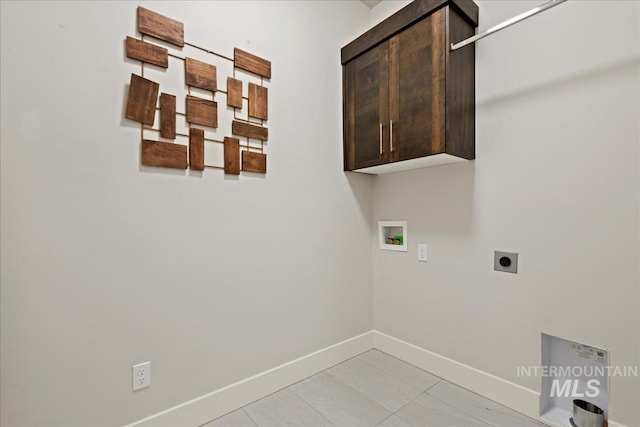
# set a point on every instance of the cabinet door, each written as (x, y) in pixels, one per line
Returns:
(417, 89)
(366, 109)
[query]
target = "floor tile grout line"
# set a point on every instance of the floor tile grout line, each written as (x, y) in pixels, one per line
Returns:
(355, 390)
(281, 390)
(391, 375)
(400, 409)
(439, 381)
(445, 403)
(395, 377)
(312, 375)
(387, 373)
(357, 356)
(290, 385)
(458, 409)
(412, 400)
(383, 421)
(410, 364)
(400, 379)
(520, 415)
(247, 414)
(241, 409)
(311, 406)
(434, 384)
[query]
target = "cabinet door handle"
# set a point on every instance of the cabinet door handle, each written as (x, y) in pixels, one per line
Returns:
(391, 134)
(380, 138)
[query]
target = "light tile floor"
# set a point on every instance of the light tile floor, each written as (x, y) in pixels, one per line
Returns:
(374, 389)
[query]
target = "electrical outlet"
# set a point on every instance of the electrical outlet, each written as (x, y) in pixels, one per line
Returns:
(422, 252)
(505, 261)
(141, 375)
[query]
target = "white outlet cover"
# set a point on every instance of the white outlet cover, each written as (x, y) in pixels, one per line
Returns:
(422, 252)
(141, 375)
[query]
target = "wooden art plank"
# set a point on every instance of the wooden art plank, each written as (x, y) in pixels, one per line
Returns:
(231, 156)
(147, 52)
(142, 99)
(258, 101)
(164, 154)
(160, 26)
(167, 116)
(251, 63)
(234, 92)
(254, 162)
(250, 131)
(200, 74)
(202, 112)
(196, 149)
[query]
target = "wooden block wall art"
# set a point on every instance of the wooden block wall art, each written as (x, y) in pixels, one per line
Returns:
(196, 149)
(164, 154)
(258, 101)
(250, 131)
(202, 112)
(231, 156)
(200, 74)
(251, 63)
(167, 116)
(147, 52)
(142, 99)
(254, 162)
(234, 92)
(160, 26)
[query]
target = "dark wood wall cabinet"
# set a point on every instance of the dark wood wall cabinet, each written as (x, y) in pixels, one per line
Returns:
(408, 100)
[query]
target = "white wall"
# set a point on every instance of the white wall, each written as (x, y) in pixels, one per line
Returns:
(106, 264)
(556, 179)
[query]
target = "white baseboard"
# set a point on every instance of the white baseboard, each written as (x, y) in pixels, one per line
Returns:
(511, 395)
(219, 402)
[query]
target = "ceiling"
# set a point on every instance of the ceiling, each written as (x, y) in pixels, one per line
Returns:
(370, 3)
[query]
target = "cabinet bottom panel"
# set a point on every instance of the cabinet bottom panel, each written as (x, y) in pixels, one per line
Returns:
(422, 162)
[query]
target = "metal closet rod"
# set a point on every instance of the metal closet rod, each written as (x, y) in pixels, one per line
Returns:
(507, 23)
